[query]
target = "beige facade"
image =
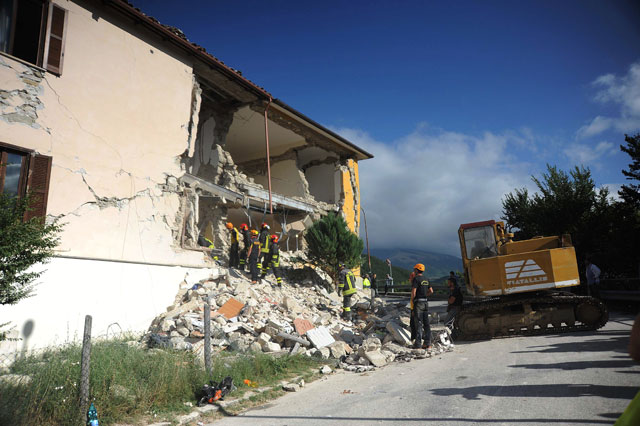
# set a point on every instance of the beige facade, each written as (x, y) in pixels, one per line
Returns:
(152, 143)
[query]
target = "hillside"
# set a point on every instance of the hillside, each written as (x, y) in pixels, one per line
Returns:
(437, 264)
(379, 267)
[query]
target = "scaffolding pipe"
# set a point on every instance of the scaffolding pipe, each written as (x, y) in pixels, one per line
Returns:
(266, 136)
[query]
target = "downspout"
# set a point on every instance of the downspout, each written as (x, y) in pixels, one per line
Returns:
(266, 136)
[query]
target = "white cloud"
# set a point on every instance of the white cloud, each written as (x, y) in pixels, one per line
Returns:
(613, 190)
(419, 189)
(622, 91)
(586, 154)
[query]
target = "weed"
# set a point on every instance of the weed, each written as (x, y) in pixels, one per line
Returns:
(128, 383)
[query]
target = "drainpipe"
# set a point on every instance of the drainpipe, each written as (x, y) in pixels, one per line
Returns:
(266, 136)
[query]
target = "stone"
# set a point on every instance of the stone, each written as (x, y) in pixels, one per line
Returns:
(394, 348)
(220, 320)
(323, 353)
(337, 350)
(326, 370)
(400, 334)
(376, 358)
(255, 347)
(167, 325)
(347, 335)
(263, 339)
(271, 347)
(291, 387)
(372, 344)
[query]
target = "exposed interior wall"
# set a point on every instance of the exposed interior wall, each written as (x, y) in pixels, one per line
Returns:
(286, 179)
(322, 182)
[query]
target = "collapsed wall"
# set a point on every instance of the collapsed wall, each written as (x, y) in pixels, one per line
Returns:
(301, 317)
(226, 177)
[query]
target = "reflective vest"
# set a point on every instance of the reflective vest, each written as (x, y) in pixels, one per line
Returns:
(235, 236)
(275, 256)
(264, 242)
(366, 283)
(348, 285)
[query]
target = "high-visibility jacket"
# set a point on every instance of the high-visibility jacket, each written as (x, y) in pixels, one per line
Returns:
(347, 282)
(275, 255)
(264, 241)
(366, 283)
(235, 236)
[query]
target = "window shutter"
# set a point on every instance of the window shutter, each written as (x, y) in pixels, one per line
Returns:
(56, 34)
(38, 185)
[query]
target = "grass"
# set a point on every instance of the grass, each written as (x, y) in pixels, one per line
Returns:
(129, 384)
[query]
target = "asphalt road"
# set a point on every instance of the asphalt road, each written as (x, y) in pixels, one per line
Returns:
(579, 378)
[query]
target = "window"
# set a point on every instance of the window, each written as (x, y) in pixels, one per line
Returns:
(480, 242)
(23, 171)
(34, 31)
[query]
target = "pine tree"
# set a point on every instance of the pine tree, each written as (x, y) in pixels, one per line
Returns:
(330, 242)
(631, 193)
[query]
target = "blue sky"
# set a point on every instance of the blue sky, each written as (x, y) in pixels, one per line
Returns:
(460, 102)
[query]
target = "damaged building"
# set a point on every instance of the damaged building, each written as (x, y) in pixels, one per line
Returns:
(138, 142)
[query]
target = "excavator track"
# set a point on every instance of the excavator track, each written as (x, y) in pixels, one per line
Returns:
(542, 313)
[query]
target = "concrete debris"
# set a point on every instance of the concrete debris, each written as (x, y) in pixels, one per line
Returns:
(291, 387)
(296, 318)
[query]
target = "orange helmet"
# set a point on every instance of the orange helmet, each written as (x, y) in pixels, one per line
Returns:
(254, 232)
(244, 227)
(419, 267)
(229, 225)
(265, 226)
(274, 238)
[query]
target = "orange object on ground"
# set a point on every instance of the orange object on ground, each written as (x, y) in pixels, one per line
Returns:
(230, 308)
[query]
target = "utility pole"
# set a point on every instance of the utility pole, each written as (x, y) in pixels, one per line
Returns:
(367, 236)
(390, 274)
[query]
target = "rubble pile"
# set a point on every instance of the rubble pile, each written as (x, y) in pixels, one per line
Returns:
(299, 317)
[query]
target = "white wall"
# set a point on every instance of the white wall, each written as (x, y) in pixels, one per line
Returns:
(131, 295)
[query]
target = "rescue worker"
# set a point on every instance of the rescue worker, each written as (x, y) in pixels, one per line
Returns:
(374, 284)
(420, 291)
(346, 289)
(264, 245)
(207, 243)
(455, 300)
(252, 255)
(234, 259)
(366, 287)
(246, 240)
(273, 261)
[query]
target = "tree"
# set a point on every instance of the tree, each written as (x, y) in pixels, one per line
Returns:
(631, 193)
(564, 203)
(23, 244)
(330, 242)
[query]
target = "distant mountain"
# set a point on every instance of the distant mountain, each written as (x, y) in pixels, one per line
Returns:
(437, 264)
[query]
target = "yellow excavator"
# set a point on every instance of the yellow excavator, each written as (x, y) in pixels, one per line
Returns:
(523, 282)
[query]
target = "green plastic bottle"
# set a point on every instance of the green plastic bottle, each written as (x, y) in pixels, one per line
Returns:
(92, 416)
